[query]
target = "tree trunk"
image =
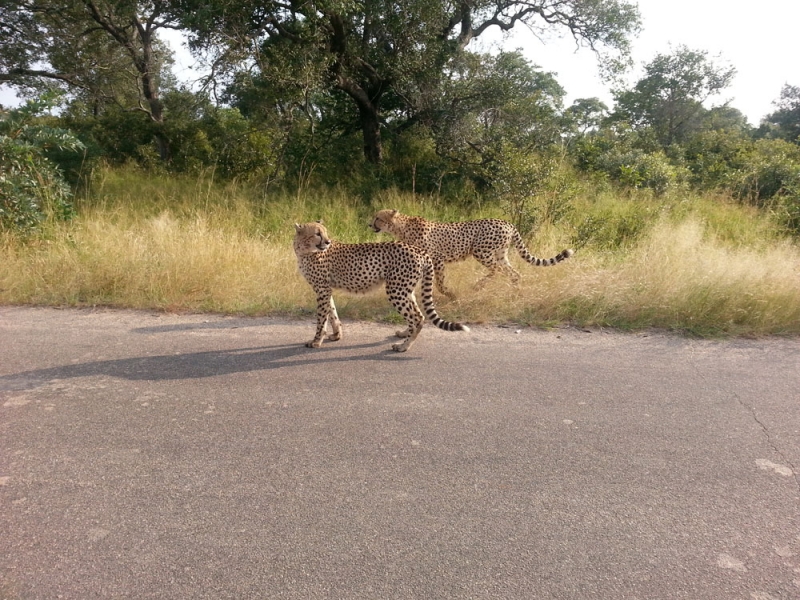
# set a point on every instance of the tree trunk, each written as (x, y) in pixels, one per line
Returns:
(146, 66)
(366, 94)
(371, 130)
(368, 117)
(150, 91)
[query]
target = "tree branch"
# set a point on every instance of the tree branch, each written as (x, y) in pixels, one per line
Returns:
(15, 74)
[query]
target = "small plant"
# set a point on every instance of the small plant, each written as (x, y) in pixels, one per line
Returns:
(31, 186)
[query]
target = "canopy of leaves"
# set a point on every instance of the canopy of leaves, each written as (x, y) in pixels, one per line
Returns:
(785, 121)
(487, 103)
(104, 52)
(386, 56)
(669, 98)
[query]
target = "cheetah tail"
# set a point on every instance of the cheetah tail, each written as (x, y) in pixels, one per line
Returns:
(427, 301)
(538, 262)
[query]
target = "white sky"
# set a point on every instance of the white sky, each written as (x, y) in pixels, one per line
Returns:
(760, 40)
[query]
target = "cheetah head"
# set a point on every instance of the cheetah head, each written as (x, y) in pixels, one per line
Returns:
(310, 238)
(382, 221)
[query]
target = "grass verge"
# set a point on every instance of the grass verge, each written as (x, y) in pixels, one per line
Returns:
(695, 265)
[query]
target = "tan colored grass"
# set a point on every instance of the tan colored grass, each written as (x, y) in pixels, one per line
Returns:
(677, 277)
(682, 274)
(160, 263)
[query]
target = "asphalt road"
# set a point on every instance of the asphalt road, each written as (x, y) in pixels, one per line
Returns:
(162, 456)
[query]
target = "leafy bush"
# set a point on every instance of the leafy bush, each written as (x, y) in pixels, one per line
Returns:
(771, 169)
(629, 158)
(31, 186)
(639, 169)
(203, 135)
(534, 188)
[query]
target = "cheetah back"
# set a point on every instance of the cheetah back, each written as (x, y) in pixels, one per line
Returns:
(359, 268)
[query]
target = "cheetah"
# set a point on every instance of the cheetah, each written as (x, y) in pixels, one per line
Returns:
(358, 268)
(488, 240)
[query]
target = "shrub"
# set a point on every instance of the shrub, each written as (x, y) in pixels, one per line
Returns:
(772, 169)
(628, 158)
(534, 188)
(713, 156)
(31, 186)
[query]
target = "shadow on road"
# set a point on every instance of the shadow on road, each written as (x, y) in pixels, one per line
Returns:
(196, 365)
(225, 324)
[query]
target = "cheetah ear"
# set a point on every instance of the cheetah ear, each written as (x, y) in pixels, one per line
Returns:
(320, 222)
(297, 227)
(394, 211)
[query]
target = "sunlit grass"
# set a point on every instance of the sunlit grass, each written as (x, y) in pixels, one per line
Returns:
(697, 265)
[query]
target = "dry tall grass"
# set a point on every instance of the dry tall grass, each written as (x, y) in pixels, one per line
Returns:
(682, 274)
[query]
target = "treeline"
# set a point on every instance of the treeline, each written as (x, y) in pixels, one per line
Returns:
(368, 95)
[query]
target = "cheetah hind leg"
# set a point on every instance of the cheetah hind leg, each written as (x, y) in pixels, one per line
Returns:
(408, 308)
(408, 331)
(336, 325)
(496, 262)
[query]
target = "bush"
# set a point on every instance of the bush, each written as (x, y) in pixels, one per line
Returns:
(771, 169)
(31, 186)
(626, 157)
(638, 169)
(713, 156)
(534, 188)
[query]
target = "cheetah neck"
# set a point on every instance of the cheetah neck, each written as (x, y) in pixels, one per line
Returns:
(407, 229)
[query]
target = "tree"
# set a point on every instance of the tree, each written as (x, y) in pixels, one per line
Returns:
(490, 105)
(101, 50)
(585, 114)
(385, 56)
(668, 100)
(785, 121)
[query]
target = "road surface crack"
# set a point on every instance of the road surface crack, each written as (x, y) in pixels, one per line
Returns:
(785, 459)
(751, 409)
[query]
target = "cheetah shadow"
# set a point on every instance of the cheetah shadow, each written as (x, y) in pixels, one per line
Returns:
(199, 365)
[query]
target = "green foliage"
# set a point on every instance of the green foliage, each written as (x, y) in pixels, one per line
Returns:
(206, 136)
(771, 169)
(668, 99)
(413, 162)
(785, 121)
(386, 59)
(769, 177)
(534, 189)
(106, 53)
(493, 105)
(712, 157)
(653, 171)
(31, 186)
(585, 115)
(618, 155)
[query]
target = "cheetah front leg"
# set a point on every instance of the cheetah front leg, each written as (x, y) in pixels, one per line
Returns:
(324, 305)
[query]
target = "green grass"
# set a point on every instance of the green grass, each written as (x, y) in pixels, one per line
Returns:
(701, 265)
